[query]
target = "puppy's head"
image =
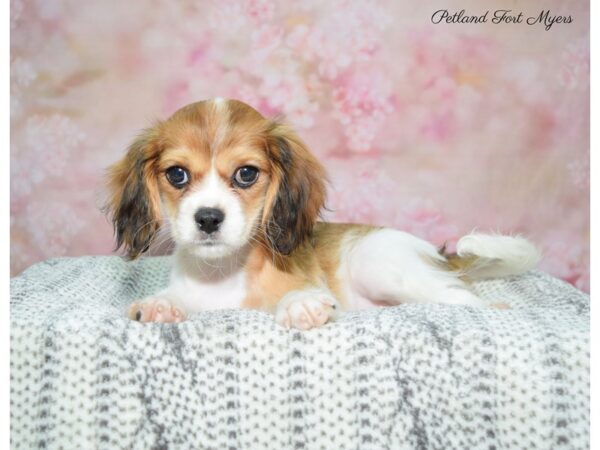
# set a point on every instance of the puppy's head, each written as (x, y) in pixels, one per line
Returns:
(223, 176)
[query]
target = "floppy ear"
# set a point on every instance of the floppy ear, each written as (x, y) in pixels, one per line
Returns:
(134, 203)
(297, 191)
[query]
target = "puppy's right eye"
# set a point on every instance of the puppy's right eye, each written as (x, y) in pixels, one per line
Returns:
(177, 176)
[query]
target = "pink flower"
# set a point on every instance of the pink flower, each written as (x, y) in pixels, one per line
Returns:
(421, 218)
(260, 10)
(45, 146)
(265, 40)
(60, 226)
(228, 16)
(344, 34)
(361, 103)
(297, 38)
(359, 192)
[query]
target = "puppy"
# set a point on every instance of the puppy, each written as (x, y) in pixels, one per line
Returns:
(242, 195)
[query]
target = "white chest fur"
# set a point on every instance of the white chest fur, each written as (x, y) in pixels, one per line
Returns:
(199, 286)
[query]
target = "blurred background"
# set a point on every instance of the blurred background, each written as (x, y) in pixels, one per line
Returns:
(433, 129)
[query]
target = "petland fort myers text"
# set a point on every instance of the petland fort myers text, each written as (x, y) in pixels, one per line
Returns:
(500, 16)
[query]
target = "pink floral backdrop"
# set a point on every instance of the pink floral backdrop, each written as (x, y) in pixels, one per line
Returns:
(434, 129)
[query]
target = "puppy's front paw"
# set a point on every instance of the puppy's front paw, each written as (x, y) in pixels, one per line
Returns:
(306, 309)
(157, 310)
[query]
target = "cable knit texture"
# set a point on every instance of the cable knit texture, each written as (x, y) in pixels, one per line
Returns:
(413, 376)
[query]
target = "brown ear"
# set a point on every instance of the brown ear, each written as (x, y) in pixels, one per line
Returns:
(297, 191)
(134, 203)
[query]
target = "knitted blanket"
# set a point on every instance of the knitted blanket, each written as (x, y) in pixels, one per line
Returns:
(405, 377)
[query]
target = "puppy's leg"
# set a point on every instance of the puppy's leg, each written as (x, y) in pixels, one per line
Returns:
(395, 267)
(293, 287)
(307, 308)
(159, 308)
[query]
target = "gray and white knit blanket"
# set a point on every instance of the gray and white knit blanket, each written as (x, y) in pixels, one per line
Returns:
(405, 377)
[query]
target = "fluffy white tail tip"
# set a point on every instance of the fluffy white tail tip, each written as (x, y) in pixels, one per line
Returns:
(497, 256)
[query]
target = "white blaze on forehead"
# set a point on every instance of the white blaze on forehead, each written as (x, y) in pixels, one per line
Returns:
(221, 112)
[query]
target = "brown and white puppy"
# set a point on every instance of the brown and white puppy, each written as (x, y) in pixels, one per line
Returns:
(242, 195)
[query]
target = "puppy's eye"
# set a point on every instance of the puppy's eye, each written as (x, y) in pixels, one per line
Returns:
(245, 176)
(177, 176)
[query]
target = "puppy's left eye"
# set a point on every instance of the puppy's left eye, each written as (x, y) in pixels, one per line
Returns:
(245, 176)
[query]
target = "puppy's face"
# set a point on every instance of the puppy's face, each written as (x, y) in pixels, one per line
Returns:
(213, 175)
(223, 176)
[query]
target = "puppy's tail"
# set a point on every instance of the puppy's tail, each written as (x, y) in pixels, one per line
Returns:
(481, 256)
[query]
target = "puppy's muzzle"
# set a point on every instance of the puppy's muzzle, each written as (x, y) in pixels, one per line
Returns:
(209, 219)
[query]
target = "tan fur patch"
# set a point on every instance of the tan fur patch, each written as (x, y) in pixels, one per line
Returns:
(314, 264)
(455, 263)
(327, 240)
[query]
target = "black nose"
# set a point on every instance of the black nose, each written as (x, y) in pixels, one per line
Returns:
(209, 219)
